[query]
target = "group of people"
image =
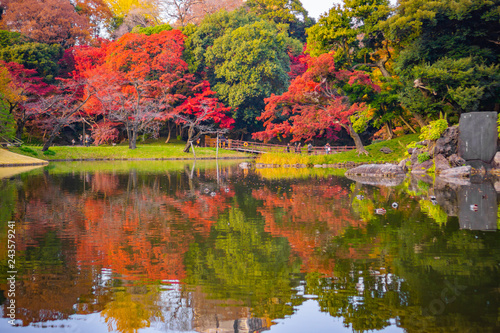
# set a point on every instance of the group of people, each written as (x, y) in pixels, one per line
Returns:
(297, 148)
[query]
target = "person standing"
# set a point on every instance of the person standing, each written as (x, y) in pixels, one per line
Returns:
(309, 149)
(327, 148)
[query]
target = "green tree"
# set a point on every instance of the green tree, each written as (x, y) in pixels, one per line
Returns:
(290, 12)
(42, 57)
(7, 122)
(152, 30)
(202, 37)
(8, 38)
(249, 64)
(353, 31)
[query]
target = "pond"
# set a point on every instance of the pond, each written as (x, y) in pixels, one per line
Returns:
(161, 246)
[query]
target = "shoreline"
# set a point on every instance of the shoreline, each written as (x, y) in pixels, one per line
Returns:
(124, 159)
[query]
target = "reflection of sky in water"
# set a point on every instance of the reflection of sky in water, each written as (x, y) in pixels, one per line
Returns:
(177, 318)
(309, 318)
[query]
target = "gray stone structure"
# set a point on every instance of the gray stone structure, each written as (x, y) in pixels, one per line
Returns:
(478, 137)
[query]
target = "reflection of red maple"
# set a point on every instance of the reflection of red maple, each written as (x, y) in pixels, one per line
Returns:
(139, 233)
(146, 236)
(310, 215)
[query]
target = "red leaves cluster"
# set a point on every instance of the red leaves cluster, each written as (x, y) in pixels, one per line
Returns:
(314, 104)
(205, 107)
(46, 21)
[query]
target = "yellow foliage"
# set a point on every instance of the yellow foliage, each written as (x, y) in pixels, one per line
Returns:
(8, 90)
(123, 7)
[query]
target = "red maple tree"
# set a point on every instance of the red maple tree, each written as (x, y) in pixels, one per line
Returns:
(137, 80)
(61, 107)
(201, 112)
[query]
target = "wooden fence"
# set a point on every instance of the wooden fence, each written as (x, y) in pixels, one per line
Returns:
(259, 148)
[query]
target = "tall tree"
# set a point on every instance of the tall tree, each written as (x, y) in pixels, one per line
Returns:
(46, 21)
(202, 37)
(316, 103)
(247, 65)
(353, 31)
(98, 14)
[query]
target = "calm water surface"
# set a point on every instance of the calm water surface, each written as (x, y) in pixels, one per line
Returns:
(172, 247)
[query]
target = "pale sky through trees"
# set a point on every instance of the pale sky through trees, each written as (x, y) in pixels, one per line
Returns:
(317, 7)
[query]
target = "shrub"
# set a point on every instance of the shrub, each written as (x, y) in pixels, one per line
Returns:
(434, 130)
(28, 150)
(423, 157)
(49, 152)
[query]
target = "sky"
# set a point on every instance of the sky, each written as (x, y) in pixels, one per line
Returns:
(317, 7)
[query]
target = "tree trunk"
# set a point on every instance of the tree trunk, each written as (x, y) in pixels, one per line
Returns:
(420, 120)
(132, 141)
(383, 70)
(192, 147)
(52, 135)
(169, 132)
(407, 124)
(189, 139)
(20, 128)
(360, 148)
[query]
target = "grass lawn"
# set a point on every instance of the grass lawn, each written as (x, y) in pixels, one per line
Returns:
(398, 147)
(153, 150)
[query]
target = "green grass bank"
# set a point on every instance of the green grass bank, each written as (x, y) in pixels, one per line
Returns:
(154, 150)
(397, 145)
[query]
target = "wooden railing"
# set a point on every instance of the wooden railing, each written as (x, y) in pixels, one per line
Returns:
(259, 148)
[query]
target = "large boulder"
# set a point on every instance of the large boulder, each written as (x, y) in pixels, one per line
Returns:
(459, 172)
(456, 161)
(496, 160)
(478, 136)
(414, 156)
(386, 150)
(447, 144)
(441, 163)
(376, 170)
(422, 167)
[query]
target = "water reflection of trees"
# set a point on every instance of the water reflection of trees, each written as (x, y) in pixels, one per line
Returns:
(246, 248)
(71, 228)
